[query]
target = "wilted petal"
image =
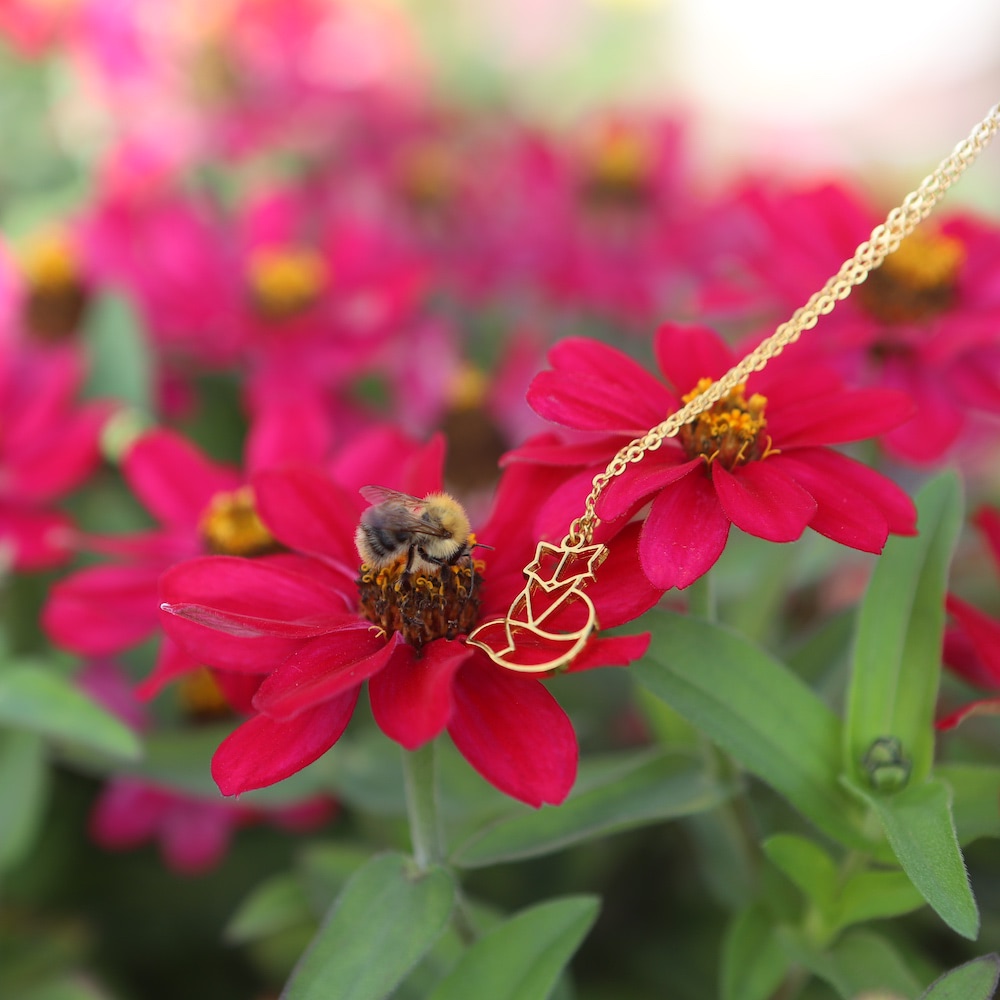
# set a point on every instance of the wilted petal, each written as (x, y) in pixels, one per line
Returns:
(513, 732)
(263, 750)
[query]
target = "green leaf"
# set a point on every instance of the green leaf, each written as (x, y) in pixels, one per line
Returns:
(889, 730)
(274, 905)
(976, 980)
(24, 780)
(66, 988)
(753, 962)
(35, 699)
(875, 895)
(860, 962)
(388, 915)
(120, 362)
(522, 958)
(808, 866)
(753, 707)
(975, 793)
(632, 790)
(918, 824)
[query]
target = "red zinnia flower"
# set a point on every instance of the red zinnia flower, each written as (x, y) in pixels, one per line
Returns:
(295, 619)
(759, 461)
(972, 643)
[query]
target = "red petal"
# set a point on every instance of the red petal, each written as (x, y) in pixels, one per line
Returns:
(195, 835)
(844, 513)
(171, 662)
(686, 354)
(984, 633)
(985, 706)
(615, 651)
(684, 533)
(103, 609)
(411, 699)
(309, 512)
(263, 751)
(591, 403)
(620, 591)
(324, 668)
(987, 520)
(289, 430)
(635, 485)
(513, 732)
(38, 539)
(839, 417)
(761, 500)
(173, 479)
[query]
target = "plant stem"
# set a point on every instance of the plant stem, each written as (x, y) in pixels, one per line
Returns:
(701, 598)
(420, 780)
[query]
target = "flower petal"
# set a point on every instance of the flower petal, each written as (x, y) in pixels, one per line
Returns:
(173, 479)
(686, 354)
(263, 751)
(411, 699)
(984, 634)
(620, 591)
(614, 651)
(309, 512)
(838, 417)
(984, 706)
(683, 534)
(513, 732)
(761, 500)
(590, 403)
(634, 486)
(103, 609)
(326, 667)
(171, 662)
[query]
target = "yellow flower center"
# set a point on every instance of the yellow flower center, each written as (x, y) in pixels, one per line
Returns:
(422, 606)
(618, 172)
(427, 175)
(55, 294)
(916, 282)
(200, 695)
(284, 283)
(231, 526)
(732, 431)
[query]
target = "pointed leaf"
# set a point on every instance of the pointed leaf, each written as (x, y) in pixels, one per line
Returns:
(757, 710)
(918, 824)
(876, 895)
(388, 915)
(976, 980)
(276, 904)
(24, 780)
(808, 866)
(753, 962)
(638, 789)
(975, 793)
(34, 698)
(889, 732)
(522, 958)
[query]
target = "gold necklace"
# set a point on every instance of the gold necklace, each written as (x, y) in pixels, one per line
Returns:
(559, 572)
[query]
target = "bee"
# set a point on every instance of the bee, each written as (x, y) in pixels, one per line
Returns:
(431, 532)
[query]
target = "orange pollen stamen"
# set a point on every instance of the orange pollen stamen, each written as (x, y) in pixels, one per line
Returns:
(423, 606)
(50, 264)
(731, 431)
(200, 695)
(231, 526)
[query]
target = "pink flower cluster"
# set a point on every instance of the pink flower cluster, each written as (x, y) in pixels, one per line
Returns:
(370, 282)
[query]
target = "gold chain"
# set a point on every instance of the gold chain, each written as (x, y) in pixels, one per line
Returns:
(559, 573)
(884, 240)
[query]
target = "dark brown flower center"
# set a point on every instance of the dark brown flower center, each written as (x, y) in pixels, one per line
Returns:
(422, 606)
(55, 293)
(231, 526)
(475, 443)
(915, 283)
(285, 283)
(732, 431)
(617, 174)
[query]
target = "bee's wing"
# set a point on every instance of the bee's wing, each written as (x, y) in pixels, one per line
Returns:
(379, 494)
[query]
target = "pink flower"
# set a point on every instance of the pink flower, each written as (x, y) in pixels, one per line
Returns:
(927, 321)
(759, 459)
(310, 627)
(49, 445)
(200, 506)
(972, 643)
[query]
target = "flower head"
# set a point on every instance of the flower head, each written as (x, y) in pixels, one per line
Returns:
(759, 458)
(314, 627)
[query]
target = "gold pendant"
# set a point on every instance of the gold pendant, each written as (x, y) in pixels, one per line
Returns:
(555, 579)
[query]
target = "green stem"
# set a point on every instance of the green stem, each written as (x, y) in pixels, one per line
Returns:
(420, 780)
(701, 598)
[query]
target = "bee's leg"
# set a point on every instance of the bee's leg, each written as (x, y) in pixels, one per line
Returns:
(409, 558)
